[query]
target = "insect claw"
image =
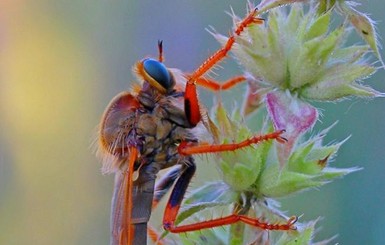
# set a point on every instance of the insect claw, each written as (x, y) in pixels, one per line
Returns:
(282, 140)
(279, 138)
(292, 220)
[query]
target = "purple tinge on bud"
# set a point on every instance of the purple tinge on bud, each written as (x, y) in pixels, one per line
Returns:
(253, 98)
(293, 115)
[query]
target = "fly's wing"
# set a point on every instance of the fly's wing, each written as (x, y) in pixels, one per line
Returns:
(122, 228)
(116, 207)
(131, 202)
(119, 156)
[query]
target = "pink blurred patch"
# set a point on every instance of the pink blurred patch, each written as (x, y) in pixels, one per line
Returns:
(291, 114)
(253, 97)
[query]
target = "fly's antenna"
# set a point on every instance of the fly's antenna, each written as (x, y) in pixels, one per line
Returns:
(160, 49)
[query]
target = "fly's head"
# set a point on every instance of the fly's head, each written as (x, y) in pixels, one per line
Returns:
(156, 74)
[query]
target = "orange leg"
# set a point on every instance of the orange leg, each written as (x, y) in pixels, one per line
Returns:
(217, 86)
(191, 98)
(221, 53)
(231, 219)
(175, 200)
(186, 148)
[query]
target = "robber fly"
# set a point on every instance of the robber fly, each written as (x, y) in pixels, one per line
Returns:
(153, 127)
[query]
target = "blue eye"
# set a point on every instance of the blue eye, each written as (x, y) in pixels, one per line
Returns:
(158, 72)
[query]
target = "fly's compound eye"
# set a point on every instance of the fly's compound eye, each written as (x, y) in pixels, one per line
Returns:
(157, 75)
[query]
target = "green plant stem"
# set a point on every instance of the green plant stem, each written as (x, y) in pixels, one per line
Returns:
(237, 230)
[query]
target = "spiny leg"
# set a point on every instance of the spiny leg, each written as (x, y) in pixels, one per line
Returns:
(231, 219)
(217, 86)
(175, 201)
(191, 99)
(222, 53)
(186, 148)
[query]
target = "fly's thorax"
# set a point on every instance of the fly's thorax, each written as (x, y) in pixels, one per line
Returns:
(162, 129)
(152, 122)
(159, 133)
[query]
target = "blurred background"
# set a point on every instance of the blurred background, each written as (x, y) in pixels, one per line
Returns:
(60, 64)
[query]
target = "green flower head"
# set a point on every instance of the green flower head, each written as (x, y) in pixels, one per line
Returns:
(301, 53)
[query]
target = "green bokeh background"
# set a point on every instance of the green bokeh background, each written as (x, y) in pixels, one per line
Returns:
(60, 64)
